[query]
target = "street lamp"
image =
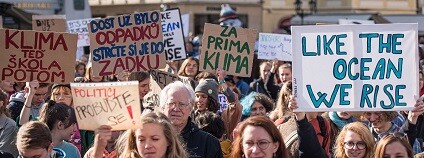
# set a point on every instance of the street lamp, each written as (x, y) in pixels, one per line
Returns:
(299, 10)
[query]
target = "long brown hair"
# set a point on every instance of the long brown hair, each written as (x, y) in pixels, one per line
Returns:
(389, 139)
(265, 123)
(360, 129)
(281, 108)
(181, 72)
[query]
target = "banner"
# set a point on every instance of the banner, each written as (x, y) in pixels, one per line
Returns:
(113, 103)
(223, 104)
(275, 46)
(355, 67)
(185, 20)
(56, 23)
(81, 27)
(229, 48)
(158, 80)
(42, 56)
(130, 42)
(173, 38)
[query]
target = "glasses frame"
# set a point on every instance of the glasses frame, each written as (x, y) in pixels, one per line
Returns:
(180, 106)
(354, 145)
(250, 146)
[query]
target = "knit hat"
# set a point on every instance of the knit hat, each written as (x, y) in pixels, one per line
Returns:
(61, 85)
(209, 87)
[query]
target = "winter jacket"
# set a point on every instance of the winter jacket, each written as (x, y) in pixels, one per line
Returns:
(16, 103)
(200, 143)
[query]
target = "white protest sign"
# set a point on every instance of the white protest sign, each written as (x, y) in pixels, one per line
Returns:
(80, 26)
(110, 103)
(185, 19)
(223, 103)
(173, 38)
(355, 67)
(275, 46)
(350, 21)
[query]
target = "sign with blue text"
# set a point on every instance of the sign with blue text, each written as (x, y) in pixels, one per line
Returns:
(173, 38)
(132, 42)
(355, 67)
(275, 46)
(81, 27)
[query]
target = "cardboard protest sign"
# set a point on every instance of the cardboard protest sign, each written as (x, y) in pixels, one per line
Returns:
(112, 103)
(185, 20)
(173, 35)
(130, 42)
(158, 80)
(275, 46)
(55, 23)
(355, 67)
(228, 48)
(42, 56)
(81, 27)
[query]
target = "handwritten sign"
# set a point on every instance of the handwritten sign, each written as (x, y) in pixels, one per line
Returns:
(228, 48)
(81, 28)
(223, 102)
(185, 20)
(355, 67)
(55, 23)
(42, 56)
(173, 35)
(275, 46)
(130, 42)
(111, 103)
(158, 80)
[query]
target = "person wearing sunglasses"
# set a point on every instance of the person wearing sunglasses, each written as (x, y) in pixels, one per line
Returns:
(394, 146)
(259, 138)
(354, 141)
(61, 120)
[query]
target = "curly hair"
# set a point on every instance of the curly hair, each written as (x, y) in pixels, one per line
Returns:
(253, 97)
(360, 129)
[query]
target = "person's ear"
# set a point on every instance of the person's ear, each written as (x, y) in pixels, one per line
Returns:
(50, 149)
(276, 145)
(60, 125)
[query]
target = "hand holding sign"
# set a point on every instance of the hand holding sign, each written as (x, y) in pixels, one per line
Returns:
(417, 111)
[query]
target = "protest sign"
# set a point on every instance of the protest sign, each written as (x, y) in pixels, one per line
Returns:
(81, 27)
(228, 48)
(42, 56)
(355, 67)
(1, 22)
(173, 35)
(185, 20)
(158, 80)
(350, 21)
(130, 42)
(55, 23)
(275, 46)
(116, 104)
(223, 104)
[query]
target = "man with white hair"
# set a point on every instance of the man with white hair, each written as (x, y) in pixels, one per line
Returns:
(177, 100)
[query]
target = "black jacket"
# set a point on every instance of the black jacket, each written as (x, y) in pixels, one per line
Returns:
(200, 143)
(308, 141)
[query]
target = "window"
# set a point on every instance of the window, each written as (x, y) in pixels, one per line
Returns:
(79, 4)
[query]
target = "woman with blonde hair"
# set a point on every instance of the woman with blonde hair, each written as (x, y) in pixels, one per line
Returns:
(354, 141)
(154, 138)
(394, 145)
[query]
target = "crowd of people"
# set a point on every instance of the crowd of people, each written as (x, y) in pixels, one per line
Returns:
(38, 120)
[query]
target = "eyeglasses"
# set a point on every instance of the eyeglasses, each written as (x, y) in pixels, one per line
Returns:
(351, 145)
(399, 135)
(178, 105)
(262, 144)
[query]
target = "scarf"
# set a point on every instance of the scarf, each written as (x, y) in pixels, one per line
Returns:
(340, 123)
